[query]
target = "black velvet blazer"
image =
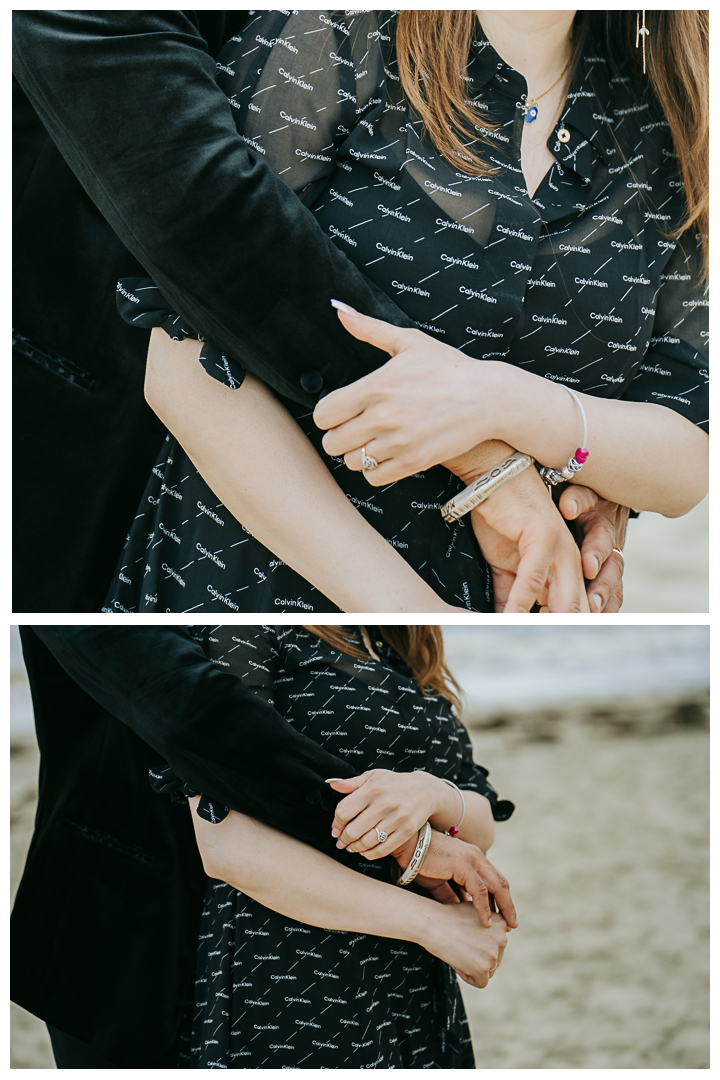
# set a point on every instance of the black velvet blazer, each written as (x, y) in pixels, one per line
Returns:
(105, 924)
(127, 157)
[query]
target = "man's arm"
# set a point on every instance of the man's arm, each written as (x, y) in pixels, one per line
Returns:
(130, 99)
(215, 733)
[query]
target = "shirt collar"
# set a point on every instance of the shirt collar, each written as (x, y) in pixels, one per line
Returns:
(586, 115)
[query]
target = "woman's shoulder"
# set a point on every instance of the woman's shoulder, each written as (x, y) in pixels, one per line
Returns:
(293, 31)
(629, 106)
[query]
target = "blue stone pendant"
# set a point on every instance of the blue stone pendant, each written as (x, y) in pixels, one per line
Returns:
(531, 114)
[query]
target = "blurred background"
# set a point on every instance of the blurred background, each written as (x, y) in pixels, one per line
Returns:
(600, 735)
(666, 565)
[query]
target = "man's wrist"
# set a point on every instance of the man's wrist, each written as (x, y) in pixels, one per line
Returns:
(404, 853)
(474, 462)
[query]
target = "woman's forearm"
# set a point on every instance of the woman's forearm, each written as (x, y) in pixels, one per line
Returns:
(400, 803)
(258, 462)
(296, 880)
(641, 455)
(303, 884)
(478, 826)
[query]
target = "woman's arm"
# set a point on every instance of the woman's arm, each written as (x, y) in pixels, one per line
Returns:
(399, 804)
(641, 454)
(288, 877)
(256, 459)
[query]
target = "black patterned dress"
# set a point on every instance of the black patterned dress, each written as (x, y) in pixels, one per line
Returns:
(579, 284)
(271, 992)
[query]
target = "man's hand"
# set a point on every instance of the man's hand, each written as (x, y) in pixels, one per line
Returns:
(450, 859)
(523, 509)
(426, 405)
(523, 538)
(601, 528)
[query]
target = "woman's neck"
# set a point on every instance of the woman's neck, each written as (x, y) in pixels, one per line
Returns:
(534, 43)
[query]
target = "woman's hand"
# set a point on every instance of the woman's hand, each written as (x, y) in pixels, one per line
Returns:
(395, 803)
(430, 402)
(219, 427)
(427, 404)
(454, 935)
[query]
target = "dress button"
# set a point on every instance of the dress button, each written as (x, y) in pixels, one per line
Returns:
(311, 382)
(313, 797)
(563, 135)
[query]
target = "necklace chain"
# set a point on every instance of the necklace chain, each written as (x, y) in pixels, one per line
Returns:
(531, 103)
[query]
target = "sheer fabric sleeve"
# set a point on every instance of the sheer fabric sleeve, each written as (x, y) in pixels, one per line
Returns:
(674, 370)
(299, 84)
(474, 777)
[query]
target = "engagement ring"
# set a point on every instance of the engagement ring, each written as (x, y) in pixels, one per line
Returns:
(368, 462)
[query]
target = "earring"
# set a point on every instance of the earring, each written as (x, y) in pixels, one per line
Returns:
(641, 31)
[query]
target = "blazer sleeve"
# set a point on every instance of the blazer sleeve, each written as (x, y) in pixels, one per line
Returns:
(131, 101)
(217, 734)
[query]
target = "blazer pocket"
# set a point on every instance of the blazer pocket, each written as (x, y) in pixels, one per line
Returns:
(51, 360)
(107, 840)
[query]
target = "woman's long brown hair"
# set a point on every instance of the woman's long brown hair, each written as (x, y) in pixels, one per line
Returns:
(439, 42)
(421, 647)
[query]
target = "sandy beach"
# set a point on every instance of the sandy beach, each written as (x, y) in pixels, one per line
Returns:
(607, 856)
(666, 563)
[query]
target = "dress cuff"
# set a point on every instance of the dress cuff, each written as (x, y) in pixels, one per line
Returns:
(141, 303)
(501, 808)
(167, 782)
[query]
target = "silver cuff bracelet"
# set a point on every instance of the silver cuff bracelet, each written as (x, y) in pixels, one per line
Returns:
(419, 855)
(485, 485)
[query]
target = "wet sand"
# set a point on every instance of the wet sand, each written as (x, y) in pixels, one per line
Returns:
(607, 858)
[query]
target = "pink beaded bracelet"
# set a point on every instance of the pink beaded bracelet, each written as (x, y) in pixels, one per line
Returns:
(576, 462)
(456, 828)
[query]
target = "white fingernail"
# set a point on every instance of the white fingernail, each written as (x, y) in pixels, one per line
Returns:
(597, 564)
(339, 306)
(596, 601)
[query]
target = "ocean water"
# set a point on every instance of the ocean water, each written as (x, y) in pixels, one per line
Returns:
(516, 667)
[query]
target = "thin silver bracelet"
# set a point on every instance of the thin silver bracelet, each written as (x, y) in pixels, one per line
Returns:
(576, 462)
(485, 485)
(419, 855)
(456, 828)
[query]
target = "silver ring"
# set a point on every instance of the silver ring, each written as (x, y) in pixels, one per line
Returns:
(368, 462)
(619, 552)
(382, 836)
